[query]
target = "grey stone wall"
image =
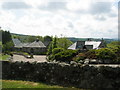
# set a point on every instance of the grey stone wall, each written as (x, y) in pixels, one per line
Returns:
(63, 74)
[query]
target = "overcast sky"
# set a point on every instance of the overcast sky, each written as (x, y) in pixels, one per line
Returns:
(71, 18)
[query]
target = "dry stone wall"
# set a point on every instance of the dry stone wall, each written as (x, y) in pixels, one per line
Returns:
(63, 74)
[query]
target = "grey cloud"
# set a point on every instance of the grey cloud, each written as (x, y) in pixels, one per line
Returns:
(110, 31)
(70, 25)
(101, 7)
(53, 6)
(15, 5)
(113, 15)
(76, 31)
(100, 18)
(98, 8)
(82, 11)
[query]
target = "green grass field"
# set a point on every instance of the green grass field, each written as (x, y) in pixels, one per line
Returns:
(25, 84)
(28, 84)
(4, 57)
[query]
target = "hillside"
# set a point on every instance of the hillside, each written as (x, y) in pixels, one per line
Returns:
(23, 38)
(73, 39)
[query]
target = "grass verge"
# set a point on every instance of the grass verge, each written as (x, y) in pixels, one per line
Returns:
(4, 57)
(25, 84)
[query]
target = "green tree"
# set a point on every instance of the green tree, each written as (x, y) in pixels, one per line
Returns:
(64, 43)
(57, 50)
(113, 45)
(54, 43)
(31, 38)
(7, 42)
(16, 37)
(47, 40)
(40, 38)
(49, 49)
(6, 37)
(8, 46)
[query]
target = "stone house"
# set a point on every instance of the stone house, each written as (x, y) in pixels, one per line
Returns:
(87, 45)
(36, 47)
(17, 44)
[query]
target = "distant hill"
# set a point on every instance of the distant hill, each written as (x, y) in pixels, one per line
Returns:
(20, 34)
(73, 39)
(23, 38)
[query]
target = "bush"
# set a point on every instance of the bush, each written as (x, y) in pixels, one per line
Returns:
(105, 54)
(7, 47)
(50, 58)
(91, 54)
(65, 55)
(80, 56)
(117, 52)
(57, 50)
(113, 45)
(54, 51)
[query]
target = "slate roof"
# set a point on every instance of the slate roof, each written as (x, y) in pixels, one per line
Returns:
(88, 44)
(17, 43)
(38, 44)
(94, 43)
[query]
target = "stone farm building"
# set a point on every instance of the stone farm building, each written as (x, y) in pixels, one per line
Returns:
(36, 47)
(87, 45)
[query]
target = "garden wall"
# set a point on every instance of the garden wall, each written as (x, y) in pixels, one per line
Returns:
(63, 74)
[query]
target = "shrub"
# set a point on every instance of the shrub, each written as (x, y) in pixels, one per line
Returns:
(50, 58)
(49, 51)
(7, 47)
(91, 54)
(57, 50)
(80, 56)
(117, 52)
(105, 54)
(113, 45)
(65, 55)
